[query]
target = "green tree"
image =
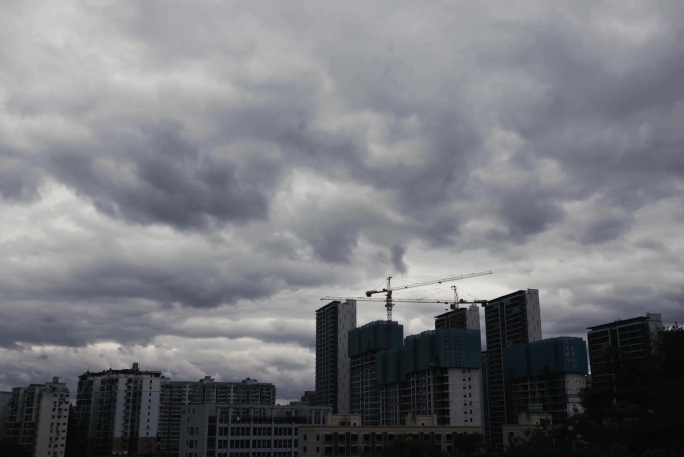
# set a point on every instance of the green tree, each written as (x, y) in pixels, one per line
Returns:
(405, 446)
(468, 444)
(10, 449)
(645, 409)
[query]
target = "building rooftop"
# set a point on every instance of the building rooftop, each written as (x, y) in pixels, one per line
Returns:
(632, 320)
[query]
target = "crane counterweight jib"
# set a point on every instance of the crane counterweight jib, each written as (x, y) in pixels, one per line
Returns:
(371, 292)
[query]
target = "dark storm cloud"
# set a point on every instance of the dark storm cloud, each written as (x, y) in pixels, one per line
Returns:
(398, 258)
(236, 154)
(589, 309)
(607, 117)
(526, 213)
(605, 229)
(206, 281)
(162, 178)
(57, 324)
(19, 181)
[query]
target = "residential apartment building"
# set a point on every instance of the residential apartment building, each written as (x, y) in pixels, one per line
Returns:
(117, 411)
(459, 318)
(343, 435)
(546, 376)
(364, 345)
(509, 320)
(177, 394)
(37, 418)
(245, 430)
(633, 337)
(435, 373)
(333, 323)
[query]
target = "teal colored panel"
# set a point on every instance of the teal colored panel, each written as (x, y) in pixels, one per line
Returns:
(552, 356)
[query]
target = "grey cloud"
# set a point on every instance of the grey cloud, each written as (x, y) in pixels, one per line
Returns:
(162, 179)
(117, 280)
(397, 258)
(606, 119)
(525, 213)
(19, 181)
(605, 229)
(197, 118)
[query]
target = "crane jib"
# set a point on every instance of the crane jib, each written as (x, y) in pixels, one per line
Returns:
(389, 301)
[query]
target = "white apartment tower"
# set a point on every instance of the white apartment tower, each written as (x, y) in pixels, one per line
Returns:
(37, 418)
(333, 323)
(117, 411)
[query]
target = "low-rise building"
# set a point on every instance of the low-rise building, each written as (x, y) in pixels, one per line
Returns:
(530, 425)
(211, 430)
(343, 435)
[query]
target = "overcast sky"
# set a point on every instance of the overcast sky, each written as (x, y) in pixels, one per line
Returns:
(181, 183)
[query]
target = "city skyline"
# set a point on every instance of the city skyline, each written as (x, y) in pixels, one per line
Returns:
(181, 184)
(281, 400)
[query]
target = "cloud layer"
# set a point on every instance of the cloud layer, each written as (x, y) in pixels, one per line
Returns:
(180, 183)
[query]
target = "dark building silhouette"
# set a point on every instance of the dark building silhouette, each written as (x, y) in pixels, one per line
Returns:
(633, 337)
(333, 323)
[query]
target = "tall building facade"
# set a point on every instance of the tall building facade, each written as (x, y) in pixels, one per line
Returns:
(633, 337)
(245, 430)
(509, 320)
(333, 323)
(117, 411)
(177, 394)
(435, 373)
(5, 398)
(546, 376)
(37, 418)
(365, 343)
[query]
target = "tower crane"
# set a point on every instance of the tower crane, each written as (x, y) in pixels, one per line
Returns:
(389, 301)
(455, 304)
